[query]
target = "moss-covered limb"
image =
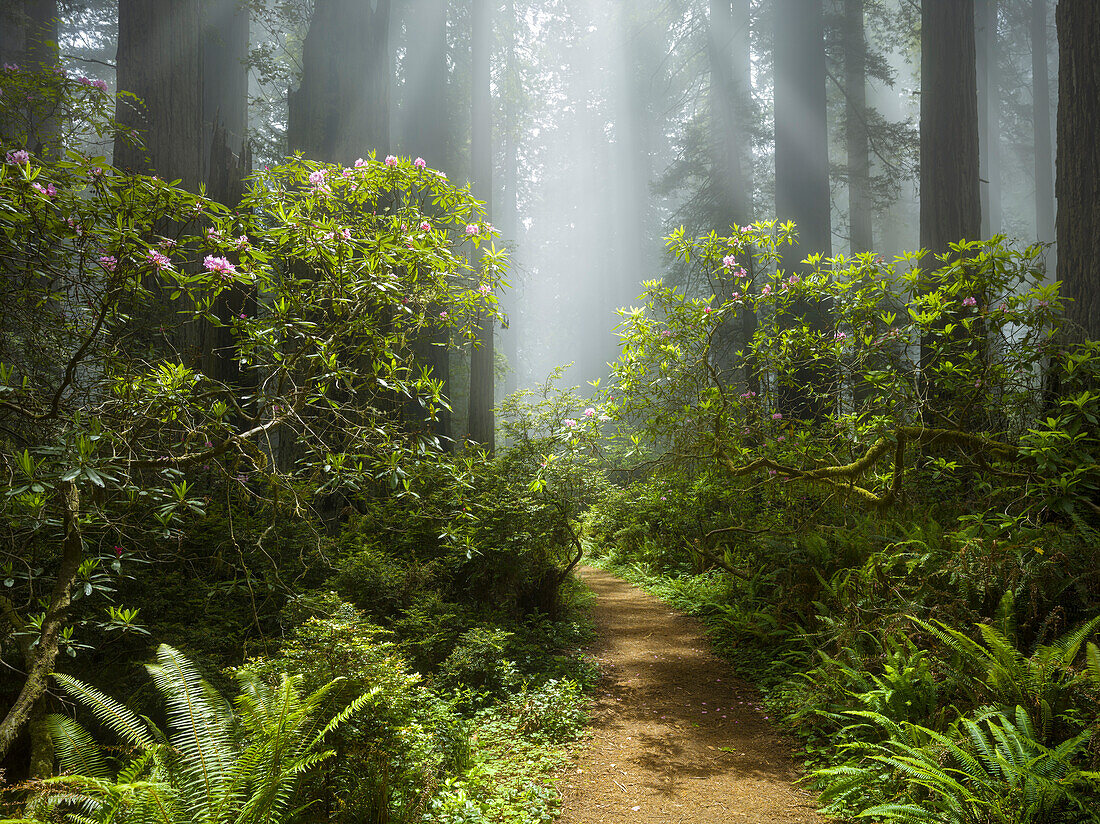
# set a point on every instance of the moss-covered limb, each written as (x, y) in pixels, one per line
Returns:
(843, 476)
(49, 639)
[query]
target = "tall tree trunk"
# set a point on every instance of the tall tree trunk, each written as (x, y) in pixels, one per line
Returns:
(1044, 151)
(855, 128)
(28, 39)
(802, 174)
(422, 132)
(227, 161)
(508, 210)
(950, 199)
(950, 205)
(481, 423)
(731, 145)
(989, 114)
(225, 75)
(159, 61)
(1078, 220)
(729, 124)
(341, 110)
(49, 637)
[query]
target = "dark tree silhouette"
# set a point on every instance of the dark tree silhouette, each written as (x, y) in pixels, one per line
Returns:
(1079, 162)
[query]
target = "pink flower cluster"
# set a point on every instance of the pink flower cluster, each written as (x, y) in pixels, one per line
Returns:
(220, 265)
(319, 182)
(391, 161)
(160, 262)
(49, 190)
(970, 301)
(95, 84)
(20, 157)
(471, 229)
(420, 163)
(108, 262)
(485, 289)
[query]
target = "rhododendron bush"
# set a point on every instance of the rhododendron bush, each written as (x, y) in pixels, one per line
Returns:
(859, 370)
(152, 335)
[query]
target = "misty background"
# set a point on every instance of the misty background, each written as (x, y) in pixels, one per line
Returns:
(606, 132)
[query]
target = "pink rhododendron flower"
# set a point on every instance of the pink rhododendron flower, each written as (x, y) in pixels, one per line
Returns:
(706, 310)
(46, 191)
(360, 163)
(767, 290)
(20, 157)
(425, 226)
(161, 262)
(108, 262)
(471, 229)
(220, 265)
(242, 242)
(794, 279)
(420, 163)
(778, 416)
(590, 412)
(485, 289)
(970, 301)
(391, 161)
(666, 334)
(729, 261)
(442, 315)
(840, 336)
(569, 422)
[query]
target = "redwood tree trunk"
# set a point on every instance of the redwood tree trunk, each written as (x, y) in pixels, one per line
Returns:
(802, 175)
(1078, 182)
(159, 61)
(950, 205)
(855, 128)
(28, 39)
(481, 423)
(341, 110)
(1044, 151)
(989, 114)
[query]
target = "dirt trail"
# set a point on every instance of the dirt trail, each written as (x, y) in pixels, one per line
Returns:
(676, 737)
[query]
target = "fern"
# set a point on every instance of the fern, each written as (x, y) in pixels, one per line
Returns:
(221, 762)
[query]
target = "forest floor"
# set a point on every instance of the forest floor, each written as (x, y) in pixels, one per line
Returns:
(674, 735)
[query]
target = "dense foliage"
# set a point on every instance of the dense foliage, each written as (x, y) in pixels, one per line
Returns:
(887, 512)
(218, 437)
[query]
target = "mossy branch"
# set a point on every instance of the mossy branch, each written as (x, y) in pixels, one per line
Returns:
(844, 476)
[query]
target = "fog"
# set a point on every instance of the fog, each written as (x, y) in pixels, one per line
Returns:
(603, 134)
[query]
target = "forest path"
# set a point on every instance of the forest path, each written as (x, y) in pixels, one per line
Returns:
(674, 736)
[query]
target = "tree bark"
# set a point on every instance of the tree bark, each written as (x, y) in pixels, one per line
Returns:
(855, 128)
(159, 61)
(481, 422)
(985, 39)
(341, 110)
(950, 204)
(49, 639)
(802, 176)
(1078, 179)
(1044, 150)
(225, 77)
(28, 39)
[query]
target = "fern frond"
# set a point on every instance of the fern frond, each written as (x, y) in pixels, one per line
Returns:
(111, 713)
(197, 731)
(74, 746)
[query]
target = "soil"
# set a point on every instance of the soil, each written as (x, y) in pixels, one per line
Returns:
(675, 736)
